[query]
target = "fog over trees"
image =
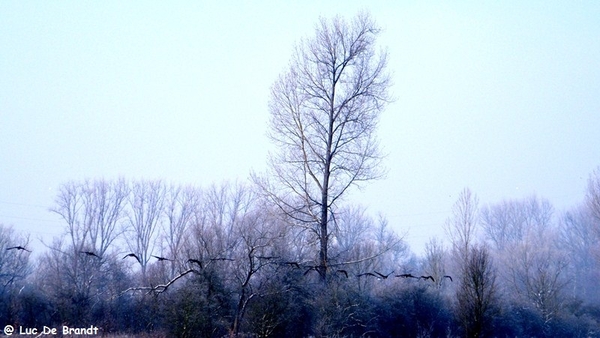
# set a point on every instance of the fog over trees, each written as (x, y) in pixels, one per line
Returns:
(224, 260)
(283, 254)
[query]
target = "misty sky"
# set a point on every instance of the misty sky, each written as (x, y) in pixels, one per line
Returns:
(500, 97)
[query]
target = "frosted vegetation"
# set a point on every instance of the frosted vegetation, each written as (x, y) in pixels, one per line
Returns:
(210, 260)
(285, 254)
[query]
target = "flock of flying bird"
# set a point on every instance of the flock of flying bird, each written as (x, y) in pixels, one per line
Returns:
(295, 265)
(93, 254)
(375, 274)
(379, 275)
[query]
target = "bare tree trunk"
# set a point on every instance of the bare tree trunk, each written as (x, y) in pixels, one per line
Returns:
(240, 311)
(323, 238)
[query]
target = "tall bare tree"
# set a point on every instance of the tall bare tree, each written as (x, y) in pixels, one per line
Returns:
(324, 112)
(180, 206)
(261, 238)
(527, 246)
(92, 211)
(462, 226)
(213, 232)
(537, 272)
(104, 202)
(146, 203)
(79, 262)
(477, 294)
(434, 262)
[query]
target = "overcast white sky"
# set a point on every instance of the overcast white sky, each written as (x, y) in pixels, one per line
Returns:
(501, 97)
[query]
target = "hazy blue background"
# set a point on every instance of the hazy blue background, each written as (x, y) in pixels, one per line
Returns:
(500, 97)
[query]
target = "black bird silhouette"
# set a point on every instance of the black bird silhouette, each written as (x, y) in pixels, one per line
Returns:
(293, 264)
(449, 277)
(89, 253)
(366, 274)
(134, 256)
(344, 272)
(18, 247)
(428, 277)
(309, 269)
(382, 275)
(266, 257)
(406, 275)
(197, 261)
(160, 259)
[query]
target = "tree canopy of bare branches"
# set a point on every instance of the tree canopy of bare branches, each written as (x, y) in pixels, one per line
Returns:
(509, 222)
(92, 211)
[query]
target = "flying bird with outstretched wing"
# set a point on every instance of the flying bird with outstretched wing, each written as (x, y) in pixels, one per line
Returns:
(197, 261)
(343, 272)
(427, 277)
(18, 247)
(134, 256)
(310, 268)
(160, 259)
(295, 265)
(90, 253)
(382, 275)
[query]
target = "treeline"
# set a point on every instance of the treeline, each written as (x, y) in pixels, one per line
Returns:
(149, 257)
